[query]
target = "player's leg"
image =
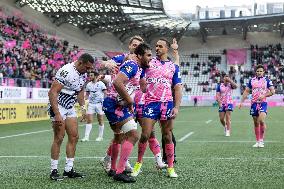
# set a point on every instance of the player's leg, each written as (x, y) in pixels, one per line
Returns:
(256, 131)
(175, 145)
(142, 145)
(58, 135)
(129, 128)
(89, 121)
(88, 127)
(164, 149)
(115, 147)
(262, 127)
(109, 161)
(228, 123)
(106, 160)
(222, 120)
(100, 117)
(156, 150)
(73, 136)
(169, 146)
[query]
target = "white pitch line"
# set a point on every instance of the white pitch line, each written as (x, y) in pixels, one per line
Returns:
(193, 158)
(185, 137)
(224, 141)
(23, 134)
(29, 133)
(86, 157)
(208, 121)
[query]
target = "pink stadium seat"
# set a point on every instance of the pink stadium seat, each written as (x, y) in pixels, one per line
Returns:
(37, 84)
(11, 82)
(112, 54)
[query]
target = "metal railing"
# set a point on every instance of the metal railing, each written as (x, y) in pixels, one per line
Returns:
(19, 82)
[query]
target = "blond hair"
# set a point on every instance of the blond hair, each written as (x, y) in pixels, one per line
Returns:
(136, 37)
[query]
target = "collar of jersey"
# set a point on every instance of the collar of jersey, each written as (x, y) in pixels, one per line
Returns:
(76, 69)
(162, 62)
(258, 78)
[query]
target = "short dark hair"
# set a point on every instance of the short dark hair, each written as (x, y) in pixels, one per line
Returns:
(167, 41)
(141, 49)
(259, 66)
(85, 58)
(94, 72)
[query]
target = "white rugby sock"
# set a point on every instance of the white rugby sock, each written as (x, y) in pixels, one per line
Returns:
(101, 131)
(54, 164)
(69, 164)
(88, 130)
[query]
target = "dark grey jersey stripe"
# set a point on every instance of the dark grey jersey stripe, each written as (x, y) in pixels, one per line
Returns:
(67, 101)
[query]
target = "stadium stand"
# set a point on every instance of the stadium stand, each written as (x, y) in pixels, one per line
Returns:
(272, 57)
(200, 73)
(29, 58)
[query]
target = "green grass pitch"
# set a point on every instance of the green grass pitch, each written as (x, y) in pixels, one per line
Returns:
(206, 159)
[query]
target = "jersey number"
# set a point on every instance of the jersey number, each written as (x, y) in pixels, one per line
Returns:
(63, 73)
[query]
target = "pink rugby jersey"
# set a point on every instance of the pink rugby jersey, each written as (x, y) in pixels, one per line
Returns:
(226, 92)
(259, 86)
(132, 70)
(160, 78)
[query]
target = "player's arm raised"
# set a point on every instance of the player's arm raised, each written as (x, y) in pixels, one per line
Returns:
(233, 84)
(174, 46)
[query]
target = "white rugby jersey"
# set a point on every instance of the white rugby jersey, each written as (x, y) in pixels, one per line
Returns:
(96, 92)
(73, 83)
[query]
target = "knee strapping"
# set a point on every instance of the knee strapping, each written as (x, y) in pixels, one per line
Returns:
(128, 126)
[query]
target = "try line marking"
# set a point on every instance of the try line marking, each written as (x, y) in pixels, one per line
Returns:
(185, 137)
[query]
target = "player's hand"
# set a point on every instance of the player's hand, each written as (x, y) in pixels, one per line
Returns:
(83, 117)
(111, 66)
(131, 108)
(174, 113)
(260, 98)
(58, 120)
(100, 77)
(174, 46)
(83, 113)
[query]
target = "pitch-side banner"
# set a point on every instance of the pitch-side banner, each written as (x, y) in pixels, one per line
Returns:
(13, 93)
(40, 93)
(15, 113)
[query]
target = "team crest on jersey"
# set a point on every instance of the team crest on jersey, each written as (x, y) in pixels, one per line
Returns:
(128, 69)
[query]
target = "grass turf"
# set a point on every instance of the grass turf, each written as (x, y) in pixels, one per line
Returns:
(206, 159)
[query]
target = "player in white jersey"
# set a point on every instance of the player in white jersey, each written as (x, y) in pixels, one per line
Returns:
(66, 89)
(95, 93)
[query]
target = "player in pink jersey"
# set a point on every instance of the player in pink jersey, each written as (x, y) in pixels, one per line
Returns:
(224, 93)
(118, 107)
(160, 77)
(261, 88)
(114, 65)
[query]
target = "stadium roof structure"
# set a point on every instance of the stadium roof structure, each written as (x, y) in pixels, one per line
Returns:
(124, 18)
(243, 25)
